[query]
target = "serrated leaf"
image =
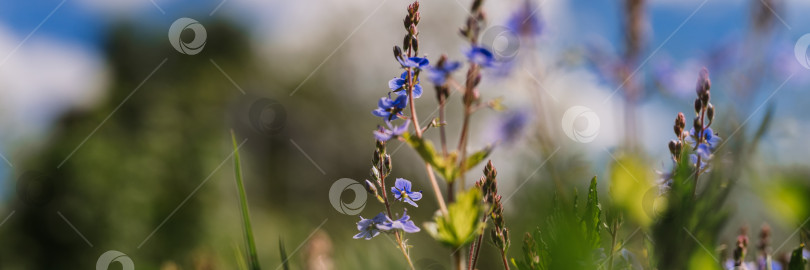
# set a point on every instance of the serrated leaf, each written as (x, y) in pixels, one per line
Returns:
(462, 223)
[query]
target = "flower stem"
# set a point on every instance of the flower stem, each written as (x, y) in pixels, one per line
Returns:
(457, 264)
(418, 130)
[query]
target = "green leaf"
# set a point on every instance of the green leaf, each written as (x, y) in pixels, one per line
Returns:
(253, 257)
(462, 223)
(591, 218)
(477, 157)
(797, 262)
(427, 151)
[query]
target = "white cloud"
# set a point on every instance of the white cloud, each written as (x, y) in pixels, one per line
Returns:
(41, 79)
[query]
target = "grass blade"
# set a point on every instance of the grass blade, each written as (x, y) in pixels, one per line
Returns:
(253, 259)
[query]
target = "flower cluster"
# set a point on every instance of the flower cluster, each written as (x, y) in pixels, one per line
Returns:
(700, 138)
(489, 187)
(402, 191)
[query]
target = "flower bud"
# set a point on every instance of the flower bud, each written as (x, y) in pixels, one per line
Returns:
(710, 112)
(371, 188)
(703, 82)
(397, 53)
(406, 43)
(698, 106)
(705, 98)
(416, 18)
(412, 29)
(697, 125)
(387, 163)
(681, 120)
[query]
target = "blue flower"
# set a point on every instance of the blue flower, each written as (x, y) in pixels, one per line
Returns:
(370, 228)
(439, 74)
(512, 125)
(413, 62)
(383, 134)
(389, 109)
(526, 20)
(404, 223)
(402, 192)
(708, 134)
(481, 56)
(399, 85)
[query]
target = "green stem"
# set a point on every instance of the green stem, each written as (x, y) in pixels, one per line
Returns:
(253, 258)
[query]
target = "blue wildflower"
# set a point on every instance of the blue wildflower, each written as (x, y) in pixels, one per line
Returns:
(512, 125)
(403, 223)
(383, 134)
(708, 134)
(526, 20)
(399, 84)
(389, 109)
(413, 62)
(370, 228)
(439, 74)
(481, 56)
(402, 192)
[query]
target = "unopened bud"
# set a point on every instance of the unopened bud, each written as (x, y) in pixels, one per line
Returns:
(370, 187)
(681, 120)
(698, 106)
(705, 98)
(387, 163)
(710, 112)
(406, 43)
(397, 53)
(703, 82)
(697, 125)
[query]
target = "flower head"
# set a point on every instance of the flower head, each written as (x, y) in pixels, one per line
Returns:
(708, 135)
(369, 228)
(526, 20)
(383, 134)
(399, 84)
(512, 125)
(438, 74)
(402, 192)
(481, 56)
(403, 223)
(389, 109)
(413, 62)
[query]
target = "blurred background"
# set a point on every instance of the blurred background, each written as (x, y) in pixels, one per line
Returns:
(112, 139)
